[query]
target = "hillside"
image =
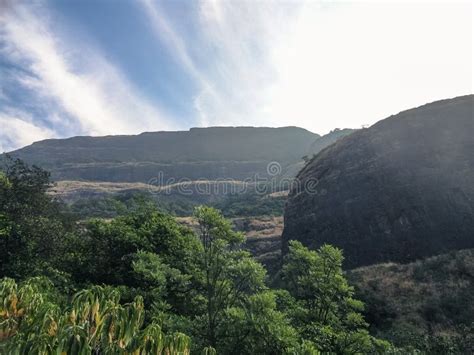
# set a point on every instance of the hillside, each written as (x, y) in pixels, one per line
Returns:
(200, 153)
(318, 145)
(398, 191)
(216, 166)
(429, 299)
(330, 138)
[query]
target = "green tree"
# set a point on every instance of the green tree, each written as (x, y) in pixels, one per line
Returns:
(33, 231)
(258, 327)
(324, 310)
(108, 248)
(227, 274)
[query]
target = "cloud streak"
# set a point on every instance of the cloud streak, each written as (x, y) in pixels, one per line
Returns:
(19, 130)
(322, 65)
(90, 94)
(318, 65)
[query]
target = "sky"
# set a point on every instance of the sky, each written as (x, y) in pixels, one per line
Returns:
(100, 67)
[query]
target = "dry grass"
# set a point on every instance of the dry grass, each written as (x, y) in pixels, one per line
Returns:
(68, 187)
(433, 296)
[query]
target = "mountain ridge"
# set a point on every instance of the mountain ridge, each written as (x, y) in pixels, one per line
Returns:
(199, 153)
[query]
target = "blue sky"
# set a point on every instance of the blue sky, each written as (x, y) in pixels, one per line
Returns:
(123, 67)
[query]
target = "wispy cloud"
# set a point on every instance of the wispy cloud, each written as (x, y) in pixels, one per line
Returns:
(324, 64)
(318, 65)
(242, 35)
(78, 83)
(178, 48)
(18, 129)
(236, 38)
(176, 44)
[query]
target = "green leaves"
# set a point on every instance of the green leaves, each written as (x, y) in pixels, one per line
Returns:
(226, 276)
(94, 322)
(215, 229)
(258, 327)
(150, 267)
(111, 247)
(31, 225)
(199, 282)
(325, 311)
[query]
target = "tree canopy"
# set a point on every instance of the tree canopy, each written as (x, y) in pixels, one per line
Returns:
(142, 283)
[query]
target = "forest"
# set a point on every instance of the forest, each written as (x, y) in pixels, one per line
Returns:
(142, 283)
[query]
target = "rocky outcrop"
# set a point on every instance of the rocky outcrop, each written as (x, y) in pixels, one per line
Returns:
(400, 190)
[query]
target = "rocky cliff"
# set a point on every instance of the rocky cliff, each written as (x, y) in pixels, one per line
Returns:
(400, 190)
(200, 153)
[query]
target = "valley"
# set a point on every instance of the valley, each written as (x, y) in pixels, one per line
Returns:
(390, 211)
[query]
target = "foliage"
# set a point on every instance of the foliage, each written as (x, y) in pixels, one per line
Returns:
(94, 322)
(324, 310)
(32, 229)
(196, 282)
(111, 205)
(226, 274)
(251, 204)
(258, 327)
(411, 305)
(108, 247)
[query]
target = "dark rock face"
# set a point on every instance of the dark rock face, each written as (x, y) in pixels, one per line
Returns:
(398, 191)
(200, 153)
(213, 153)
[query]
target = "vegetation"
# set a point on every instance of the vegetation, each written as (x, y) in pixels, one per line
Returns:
(234, 205)
(142, 283)
(94, 322)
(113, 205)
(33, 229)
(324, 309)
(251, 204)
(427, 304)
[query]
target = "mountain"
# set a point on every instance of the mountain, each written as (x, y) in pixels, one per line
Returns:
(216, 166)
(200, 153)
(400, 190)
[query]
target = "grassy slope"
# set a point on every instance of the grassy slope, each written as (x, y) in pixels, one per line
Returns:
(431, 297)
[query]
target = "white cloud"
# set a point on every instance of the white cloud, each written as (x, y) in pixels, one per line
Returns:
(317, 65)
(348, 65)
(98, 97)
(241, 34)
(229, 32)
(178, 48)
(325, 64)
(18, 130)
